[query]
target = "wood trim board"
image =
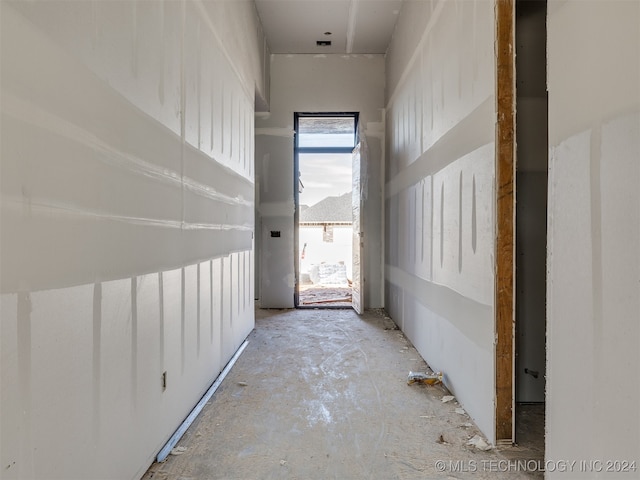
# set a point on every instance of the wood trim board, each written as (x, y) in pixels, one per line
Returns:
(505, 219)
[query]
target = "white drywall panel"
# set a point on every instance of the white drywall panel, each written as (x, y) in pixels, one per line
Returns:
(440, 193)
(237, 25)
(410, 27)
(277, 281)
(620, 263)
(463, 225)
(245, 298)
(15, 370)
(235, 283)
(227, 320)
(127, 194)
(67, 385)
(117, 393)
(217, 335)
(461, 351)
(123, 335)
(594, 235)
(274, 174)
(317, 83)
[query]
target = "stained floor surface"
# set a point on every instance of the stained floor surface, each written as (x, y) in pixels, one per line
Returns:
(321, 394)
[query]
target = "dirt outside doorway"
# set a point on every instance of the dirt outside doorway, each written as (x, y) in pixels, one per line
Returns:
(313, 295)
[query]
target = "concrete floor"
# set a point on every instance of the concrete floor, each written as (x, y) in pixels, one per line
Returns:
(323, 394)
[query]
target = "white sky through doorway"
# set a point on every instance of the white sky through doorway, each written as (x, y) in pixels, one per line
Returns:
(324, 175)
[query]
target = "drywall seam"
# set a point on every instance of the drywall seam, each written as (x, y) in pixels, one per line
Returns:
(25, 374)
(467, 315)
(375, 129)
(209, 192)
(277, 209)
(597, 277)
(96, 360)
(205, 15)
(276, 132)
(217, 226)
(181, 113)
(34, 115)
(351, 24)
(48, 208)
(435, 15)
(464, 138)
(383, 217)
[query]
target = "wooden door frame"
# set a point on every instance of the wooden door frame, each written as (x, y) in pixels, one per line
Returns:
(505, 221)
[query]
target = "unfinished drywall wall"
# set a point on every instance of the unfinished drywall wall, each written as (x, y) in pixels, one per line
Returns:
(593, 332)
(127, 224)
(439, 192)
(315, 83)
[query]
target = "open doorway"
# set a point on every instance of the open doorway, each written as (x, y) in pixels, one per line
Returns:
(531, 220)
(521, 213)
(324, 219)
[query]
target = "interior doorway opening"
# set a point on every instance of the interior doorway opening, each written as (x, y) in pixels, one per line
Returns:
(323, 239)
(531, 184)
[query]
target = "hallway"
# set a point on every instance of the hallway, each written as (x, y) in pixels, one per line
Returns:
(323, 394)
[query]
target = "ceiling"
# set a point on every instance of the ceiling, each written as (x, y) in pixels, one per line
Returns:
(355, 26)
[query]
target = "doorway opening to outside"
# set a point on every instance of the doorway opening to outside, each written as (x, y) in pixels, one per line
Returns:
(323, 239)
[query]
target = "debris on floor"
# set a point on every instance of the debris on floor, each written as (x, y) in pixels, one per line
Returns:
(328, 300)
(447, 398)
(338, 415)
(324, 295)
(424, 378)
(178, 451)
(478, 442)
(461, 411)
(243, 384)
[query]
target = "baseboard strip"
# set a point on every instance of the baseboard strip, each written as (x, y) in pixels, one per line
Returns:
(175, 438)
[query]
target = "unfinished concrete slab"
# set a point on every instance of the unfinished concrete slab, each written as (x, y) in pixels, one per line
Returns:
(323, 394)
